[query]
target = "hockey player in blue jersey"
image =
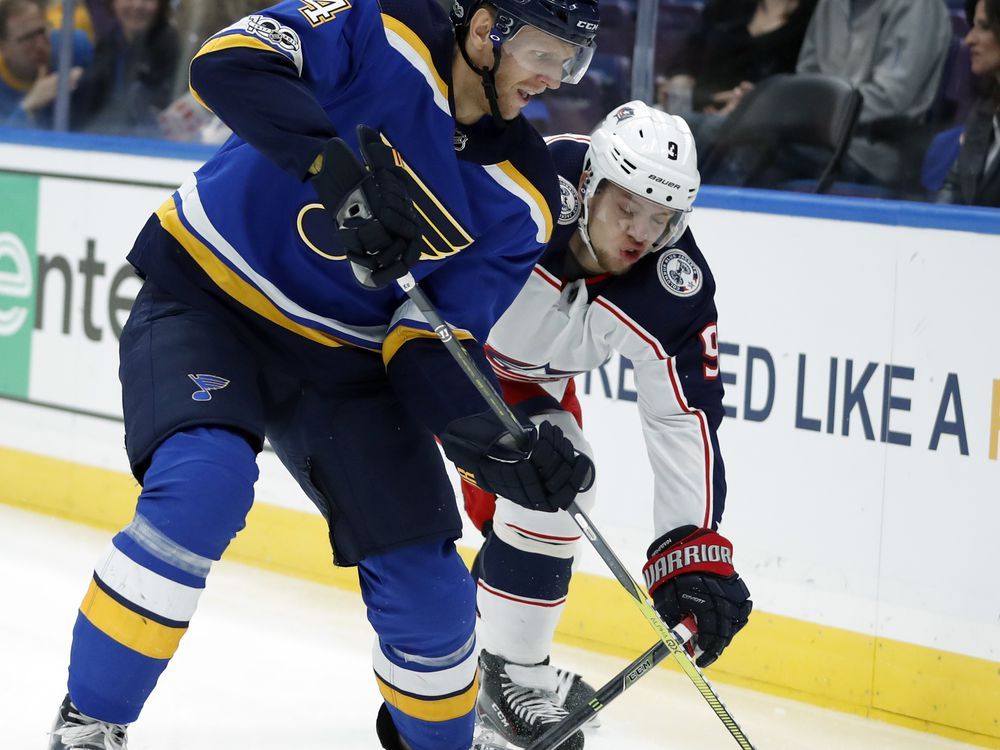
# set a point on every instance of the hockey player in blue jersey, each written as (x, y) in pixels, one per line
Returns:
(621, 274)
(251, 323)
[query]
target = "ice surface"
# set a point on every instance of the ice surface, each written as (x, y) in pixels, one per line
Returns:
(275, 663)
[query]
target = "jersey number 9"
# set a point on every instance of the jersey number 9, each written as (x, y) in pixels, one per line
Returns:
(710, 350)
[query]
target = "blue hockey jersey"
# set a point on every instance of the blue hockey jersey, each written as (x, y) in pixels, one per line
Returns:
(289, 78)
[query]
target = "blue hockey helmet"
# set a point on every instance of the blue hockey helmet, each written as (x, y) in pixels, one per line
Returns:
(573, 21)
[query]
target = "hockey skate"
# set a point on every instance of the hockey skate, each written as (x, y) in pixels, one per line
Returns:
(388, 735)
(385, 728)
(573, 691)
(518, 703)
(74, 731)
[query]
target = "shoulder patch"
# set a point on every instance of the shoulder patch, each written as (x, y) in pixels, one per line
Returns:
(569, 199)
(678, 274)
(271, 31)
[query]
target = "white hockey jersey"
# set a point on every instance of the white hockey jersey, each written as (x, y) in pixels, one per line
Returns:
(661, 316)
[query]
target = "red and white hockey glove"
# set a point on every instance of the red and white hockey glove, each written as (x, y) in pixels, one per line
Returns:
(690, 570)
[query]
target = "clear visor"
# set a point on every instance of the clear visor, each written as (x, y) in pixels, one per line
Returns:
(548, 56)
(639, 218)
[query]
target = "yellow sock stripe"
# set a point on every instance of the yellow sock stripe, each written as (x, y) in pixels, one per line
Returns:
(431, 709)
(130, 629)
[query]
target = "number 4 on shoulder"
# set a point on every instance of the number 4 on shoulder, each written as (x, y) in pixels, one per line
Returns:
(318, 12)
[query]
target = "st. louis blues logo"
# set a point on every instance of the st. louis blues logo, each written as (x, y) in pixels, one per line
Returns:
(206, 384)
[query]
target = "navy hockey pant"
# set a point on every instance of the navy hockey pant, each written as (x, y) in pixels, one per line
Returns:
(145, 589)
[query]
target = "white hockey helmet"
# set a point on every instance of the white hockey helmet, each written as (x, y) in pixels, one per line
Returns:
(652, 155)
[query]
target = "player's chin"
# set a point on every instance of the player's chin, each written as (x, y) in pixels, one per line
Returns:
(621, 261)
(615, 266)
(512, 104)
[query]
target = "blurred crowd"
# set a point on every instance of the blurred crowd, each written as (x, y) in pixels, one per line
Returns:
(924, 75)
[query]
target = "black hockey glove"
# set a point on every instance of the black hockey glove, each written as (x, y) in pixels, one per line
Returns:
(546, 476)
(690, 570)
(371, 208)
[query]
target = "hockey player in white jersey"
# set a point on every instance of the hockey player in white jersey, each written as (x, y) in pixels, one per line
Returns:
(623, 274)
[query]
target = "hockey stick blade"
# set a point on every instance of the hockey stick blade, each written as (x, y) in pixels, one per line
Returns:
(609, 691)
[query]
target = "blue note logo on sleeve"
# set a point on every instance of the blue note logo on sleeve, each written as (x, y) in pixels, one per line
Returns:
(206, 384)
(318, 12)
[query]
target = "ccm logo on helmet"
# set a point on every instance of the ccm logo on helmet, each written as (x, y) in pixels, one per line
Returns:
(660, 180)
(586, 25)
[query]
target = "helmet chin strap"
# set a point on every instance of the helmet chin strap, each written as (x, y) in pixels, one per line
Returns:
(582, 225)
(585, 234)
(489, 80)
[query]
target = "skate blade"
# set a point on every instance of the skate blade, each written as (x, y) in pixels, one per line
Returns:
(485, 738)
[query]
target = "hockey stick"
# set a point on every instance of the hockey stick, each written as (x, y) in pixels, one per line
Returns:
(559, 733)
(409, 285)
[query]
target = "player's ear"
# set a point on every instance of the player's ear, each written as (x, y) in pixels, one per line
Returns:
(477, 41)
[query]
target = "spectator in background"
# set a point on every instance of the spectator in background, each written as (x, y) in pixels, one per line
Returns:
(738, 43)
(28, 86)
(185, 119)
(94, 17)
(894, 52)
(131, 78)
(974, 178)
(197, 20)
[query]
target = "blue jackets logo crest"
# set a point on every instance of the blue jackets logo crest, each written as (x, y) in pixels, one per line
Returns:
(569, 202)
(623, 114)
(678, 274)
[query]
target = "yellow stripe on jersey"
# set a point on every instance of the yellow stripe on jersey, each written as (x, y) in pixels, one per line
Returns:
(302, 232)
(401, 334)
(532, 192)
(129, 628)
(431, 709)
(230, 282)
(414, 42)
(435, 215)
(228, 41)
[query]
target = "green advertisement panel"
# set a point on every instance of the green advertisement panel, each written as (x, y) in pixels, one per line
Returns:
(18, 261)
